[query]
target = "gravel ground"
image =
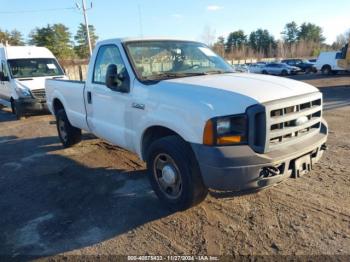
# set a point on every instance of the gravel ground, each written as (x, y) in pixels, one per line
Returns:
(96, 199)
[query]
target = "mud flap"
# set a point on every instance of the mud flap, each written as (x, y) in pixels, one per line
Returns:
(302, 166)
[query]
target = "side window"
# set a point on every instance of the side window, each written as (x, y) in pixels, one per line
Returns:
(106, 56)
(338, 55)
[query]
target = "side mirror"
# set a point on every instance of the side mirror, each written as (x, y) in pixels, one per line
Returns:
(3, 77)
(112, 76)
(116, 82)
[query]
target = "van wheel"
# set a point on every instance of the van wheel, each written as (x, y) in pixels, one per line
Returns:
(264, 72)
(326, 70)
(174, 173)
(68, 134)
(16, 111)
(284, 72)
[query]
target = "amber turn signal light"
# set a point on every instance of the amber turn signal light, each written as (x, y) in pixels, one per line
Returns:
(229, 140)
(208, 135)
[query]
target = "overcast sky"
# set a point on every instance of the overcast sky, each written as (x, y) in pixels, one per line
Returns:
(178, 18)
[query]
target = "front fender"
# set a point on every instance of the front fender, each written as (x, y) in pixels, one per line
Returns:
(191, 132)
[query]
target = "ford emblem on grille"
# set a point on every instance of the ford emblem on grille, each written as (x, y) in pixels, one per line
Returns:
(301, 120)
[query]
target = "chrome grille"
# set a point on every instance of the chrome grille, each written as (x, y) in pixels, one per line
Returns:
(39, 93)
(292, 120)
(284, 122)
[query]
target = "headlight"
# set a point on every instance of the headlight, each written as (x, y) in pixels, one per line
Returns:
(226, 130)
(23, 92)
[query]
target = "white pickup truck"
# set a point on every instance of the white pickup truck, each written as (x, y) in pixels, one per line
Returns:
(197, 124)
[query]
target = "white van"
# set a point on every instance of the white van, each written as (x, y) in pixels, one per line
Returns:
(327, 62)
(23, 71)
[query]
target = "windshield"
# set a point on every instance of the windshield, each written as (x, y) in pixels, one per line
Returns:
(157, 60)
(34, 67)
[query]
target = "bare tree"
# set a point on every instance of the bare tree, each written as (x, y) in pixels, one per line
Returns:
(208, 36)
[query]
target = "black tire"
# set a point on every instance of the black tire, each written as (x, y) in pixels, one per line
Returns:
(68, 134)
(326, 70)
(284, 72)
(181, 158)
(16, 111)
(308, 70)
(264, 72)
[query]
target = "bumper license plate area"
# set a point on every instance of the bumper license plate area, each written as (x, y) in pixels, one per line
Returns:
(302, 166)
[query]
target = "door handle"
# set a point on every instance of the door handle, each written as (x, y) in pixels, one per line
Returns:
(89, 97)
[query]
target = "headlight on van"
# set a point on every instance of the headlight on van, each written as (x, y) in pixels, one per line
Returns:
(23, 92)
(230, 130)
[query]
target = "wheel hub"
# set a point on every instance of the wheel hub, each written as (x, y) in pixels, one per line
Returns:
(169, 175)
(62, 129)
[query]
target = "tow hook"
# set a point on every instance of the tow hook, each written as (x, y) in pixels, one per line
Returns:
(324, 147)
(269, 171)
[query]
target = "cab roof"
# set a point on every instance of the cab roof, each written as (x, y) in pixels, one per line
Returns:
(18, 52)
(139, 39)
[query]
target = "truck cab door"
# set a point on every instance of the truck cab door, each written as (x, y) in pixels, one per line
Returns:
(5, 87)
(106, 107)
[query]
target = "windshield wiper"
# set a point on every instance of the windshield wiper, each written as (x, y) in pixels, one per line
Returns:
(168, 75)
(213, 72)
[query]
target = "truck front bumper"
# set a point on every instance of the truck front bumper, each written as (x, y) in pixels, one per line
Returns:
(30, 105)
(237, 168)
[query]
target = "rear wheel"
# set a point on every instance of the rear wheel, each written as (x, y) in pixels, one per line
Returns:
(326, 70)
(265, 72)
(308, 70)
(284, 72)
(68, 134)
(174, 173)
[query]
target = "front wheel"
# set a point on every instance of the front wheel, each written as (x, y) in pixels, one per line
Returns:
(17, 111)
(284, 72)
(174, 173)
(68, 134)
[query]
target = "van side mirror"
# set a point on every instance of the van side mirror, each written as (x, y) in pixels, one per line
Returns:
(116, 82)
(3, 77)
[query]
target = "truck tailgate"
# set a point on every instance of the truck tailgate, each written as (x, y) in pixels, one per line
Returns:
(71, 95)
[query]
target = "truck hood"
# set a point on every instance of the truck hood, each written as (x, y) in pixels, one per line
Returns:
(33, 83)
(261, 88)
(226, 94)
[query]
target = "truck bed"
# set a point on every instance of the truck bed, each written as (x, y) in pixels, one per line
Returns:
(70, 93)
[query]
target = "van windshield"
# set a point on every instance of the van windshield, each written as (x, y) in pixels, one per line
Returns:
(34, 67)
(164, 59)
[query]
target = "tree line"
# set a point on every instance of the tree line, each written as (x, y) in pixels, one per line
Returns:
(55, 37)
(306, 40)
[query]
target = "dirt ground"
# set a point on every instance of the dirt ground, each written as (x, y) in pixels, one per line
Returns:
(96, 199)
